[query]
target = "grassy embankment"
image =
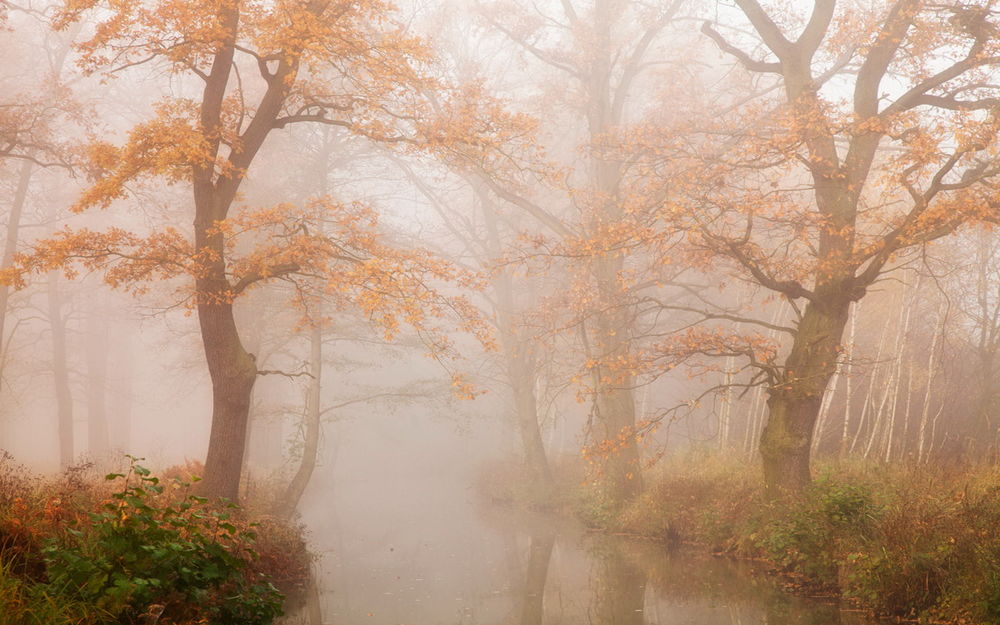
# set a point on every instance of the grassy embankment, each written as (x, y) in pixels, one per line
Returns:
(133, 548)
(910, 542)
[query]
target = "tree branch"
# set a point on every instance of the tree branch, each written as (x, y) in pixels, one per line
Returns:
(277, 271)
(744, 59)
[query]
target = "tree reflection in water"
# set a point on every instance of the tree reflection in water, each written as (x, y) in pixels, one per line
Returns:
(618, 585)
(527, 572)
(539, 555)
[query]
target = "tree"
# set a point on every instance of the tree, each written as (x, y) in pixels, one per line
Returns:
(596, 208)
(31, 110)
(881, 141)
(317, 61)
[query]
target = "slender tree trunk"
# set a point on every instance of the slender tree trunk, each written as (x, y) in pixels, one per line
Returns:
(310, 447)
(758, 408)
(726, 413)
(902, 346)
(123, 396)
(922, 438)
(907, 406)
(824, 408)
(794, 403)
(60, 372)
(849, 374)
(519, 357)
(750, 434)
(531, 435)
(10, 241)
(883, 417)
(877, 426)
(98, 442)
(866, 405)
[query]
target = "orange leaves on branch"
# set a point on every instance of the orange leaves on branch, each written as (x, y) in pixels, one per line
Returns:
(185, 32)
(166, 147)
(597, 454)
(477, 132)
(326, 249)
(129, 261)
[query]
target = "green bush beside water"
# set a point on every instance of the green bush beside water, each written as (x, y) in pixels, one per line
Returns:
(908, 542)
(132, 549)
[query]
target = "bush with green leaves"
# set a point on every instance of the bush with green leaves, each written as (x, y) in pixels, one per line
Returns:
(812, 535)
(146, 553)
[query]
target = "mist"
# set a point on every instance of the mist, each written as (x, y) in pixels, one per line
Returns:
(597, 311)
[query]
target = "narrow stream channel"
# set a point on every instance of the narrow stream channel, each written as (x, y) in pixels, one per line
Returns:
(417, 560)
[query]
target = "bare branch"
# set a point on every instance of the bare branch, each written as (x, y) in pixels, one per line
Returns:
(745, 59)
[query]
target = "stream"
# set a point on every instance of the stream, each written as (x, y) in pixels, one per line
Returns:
(418, 559)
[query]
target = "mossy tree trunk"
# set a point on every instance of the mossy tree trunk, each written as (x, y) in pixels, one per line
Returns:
(795, 401)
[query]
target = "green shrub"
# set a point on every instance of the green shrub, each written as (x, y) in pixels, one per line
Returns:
(915, 554)
(811, 535)
(139, 556)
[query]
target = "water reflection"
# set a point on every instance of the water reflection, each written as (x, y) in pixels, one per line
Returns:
(533, 593)
(618, 584)
(529, 572)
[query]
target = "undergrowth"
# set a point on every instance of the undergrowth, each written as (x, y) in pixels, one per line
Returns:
(131, 548)
(905, 541)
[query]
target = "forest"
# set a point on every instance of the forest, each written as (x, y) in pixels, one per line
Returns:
(640, 312)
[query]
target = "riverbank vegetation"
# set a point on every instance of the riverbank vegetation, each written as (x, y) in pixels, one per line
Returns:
(904, 541)
(133, 548)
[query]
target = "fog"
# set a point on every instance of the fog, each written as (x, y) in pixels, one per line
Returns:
(420, 275)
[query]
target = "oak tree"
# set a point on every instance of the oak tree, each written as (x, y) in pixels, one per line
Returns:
(254, 68)
(876, 134)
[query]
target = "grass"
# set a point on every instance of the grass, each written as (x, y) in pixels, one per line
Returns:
(911, 542)
(131, 548)
(24, 603)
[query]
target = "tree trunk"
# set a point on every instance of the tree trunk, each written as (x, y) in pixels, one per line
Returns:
(233, 372)
(794, 403)
(923, 442)
(98, 443)
(10, 247)
(124, 384)
(310, 447)
(849, 377)
(519, 356)
(609, 341)
(232, 369)
(902, 346)
(531, 435)
(866, 405)
(60, 373)
(824, 409)
(725, 413)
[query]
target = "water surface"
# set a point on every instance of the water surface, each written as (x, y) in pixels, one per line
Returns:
(408, 556)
